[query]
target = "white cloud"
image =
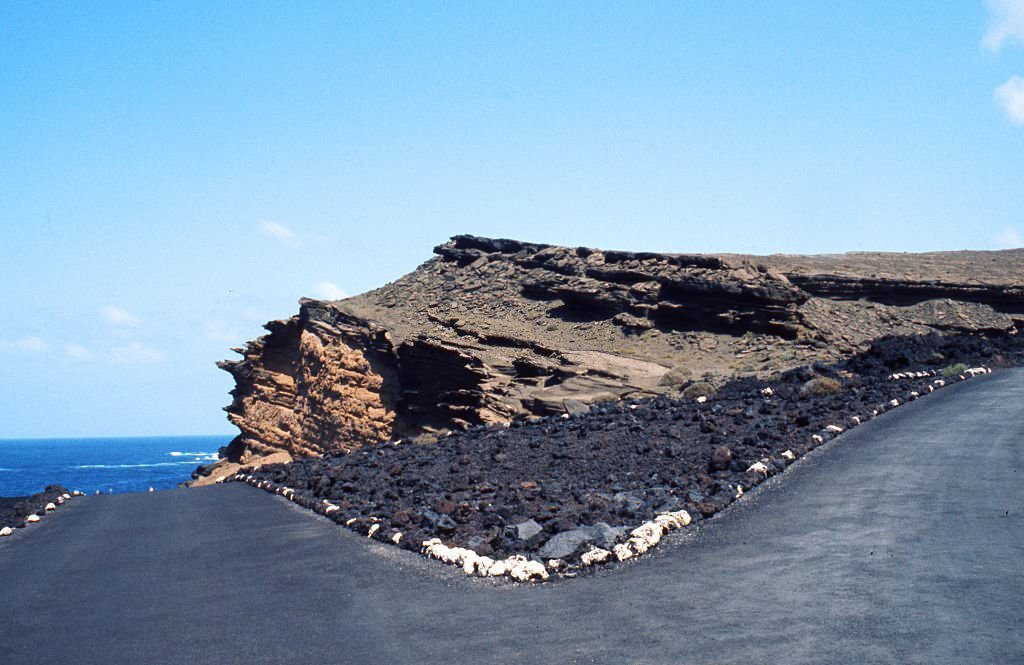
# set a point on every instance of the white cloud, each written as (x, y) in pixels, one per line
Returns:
(1005, 23)
(329, 291)
(1009, 238)
(136, 354)
(119, 317)
(1010, 98)
(76, 352)
(28, 344)
(277, 231)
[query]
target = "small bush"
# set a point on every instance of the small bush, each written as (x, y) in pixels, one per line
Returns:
(954, 370)
(821, 386)
(676, 376)
(699, 389)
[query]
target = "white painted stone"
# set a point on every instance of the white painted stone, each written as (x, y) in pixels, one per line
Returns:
(484, 565)
(739, 491)
(151, 489)
(6, 531)
(788, 455)
(396, 538)
(374, 528)
(674, 520)
(855, 420)
(836, 429)
(555, 564)
(469, 564)
(701, 399)
(32, 518)
(818, 438)
(529, 570)
(646, 536)
(48, 507)
(638, 546)
(758, 467)
(767, 392)
(594, 556)
(622, 552)
(894, 403)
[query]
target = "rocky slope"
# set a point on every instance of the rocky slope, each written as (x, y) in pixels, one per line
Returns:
(493, 330)
(553, 490)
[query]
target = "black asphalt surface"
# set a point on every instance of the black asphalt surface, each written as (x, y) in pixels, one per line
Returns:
(901, 541)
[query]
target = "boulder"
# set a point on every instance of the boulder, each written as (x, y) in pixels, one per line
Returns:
(565, 544)
(526, 530)
(721, 457)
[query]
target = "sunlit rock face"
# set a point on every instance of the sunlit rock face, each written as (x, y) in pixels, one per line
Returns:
(493, 330)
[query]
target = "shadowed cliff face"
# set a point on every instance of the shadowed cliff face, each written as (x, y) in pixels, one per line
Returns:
(491, 330)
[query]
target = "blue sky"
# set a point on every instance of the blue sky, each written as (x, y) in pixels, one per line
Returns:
(174, 174)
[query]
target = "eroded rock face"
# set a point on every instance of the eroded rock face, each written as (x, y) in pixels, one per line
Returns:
(315, 383)
(491, 330)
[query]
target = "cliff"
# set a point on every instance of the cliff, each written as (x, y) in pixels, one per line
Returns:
(491, 330)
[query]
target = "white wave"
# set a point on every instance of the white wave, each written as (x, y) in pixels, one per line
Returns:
(131, 466)
(203, 456)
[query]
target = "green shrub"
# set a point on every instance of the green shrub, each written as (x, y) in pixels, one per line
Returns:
(699, 389)
(954, 370)
(821, 386)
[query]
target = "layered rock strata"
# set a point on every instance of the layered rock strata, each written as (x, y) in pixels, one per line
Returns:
(493, 330)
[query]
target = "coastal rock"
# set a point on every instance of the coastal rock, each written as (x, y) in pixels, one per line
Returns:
(493, 330)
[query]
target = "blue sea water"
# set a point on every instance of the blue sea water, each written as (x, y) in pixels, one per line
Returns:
(106, 465)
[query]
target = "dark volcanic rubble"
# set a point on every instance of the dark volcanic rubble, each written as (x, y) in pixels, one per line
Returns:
(553, 487)
(491, 331)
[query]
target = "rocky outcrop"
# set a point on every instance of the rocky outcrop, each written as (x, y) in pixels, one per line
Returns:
(491, 330)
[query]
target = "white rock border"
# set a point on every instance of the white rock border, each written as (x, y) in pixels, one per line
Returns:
(50, 507)
(641, 539)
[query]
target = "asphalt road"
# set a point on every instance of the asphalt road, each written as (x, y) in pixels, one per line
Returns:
(900, 542)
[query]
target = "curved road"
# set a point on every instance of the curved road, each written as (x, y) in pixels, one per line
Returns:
(901, 541)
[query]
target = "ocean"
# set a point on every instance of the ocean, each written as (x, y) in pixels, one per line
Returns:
(107, 465)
